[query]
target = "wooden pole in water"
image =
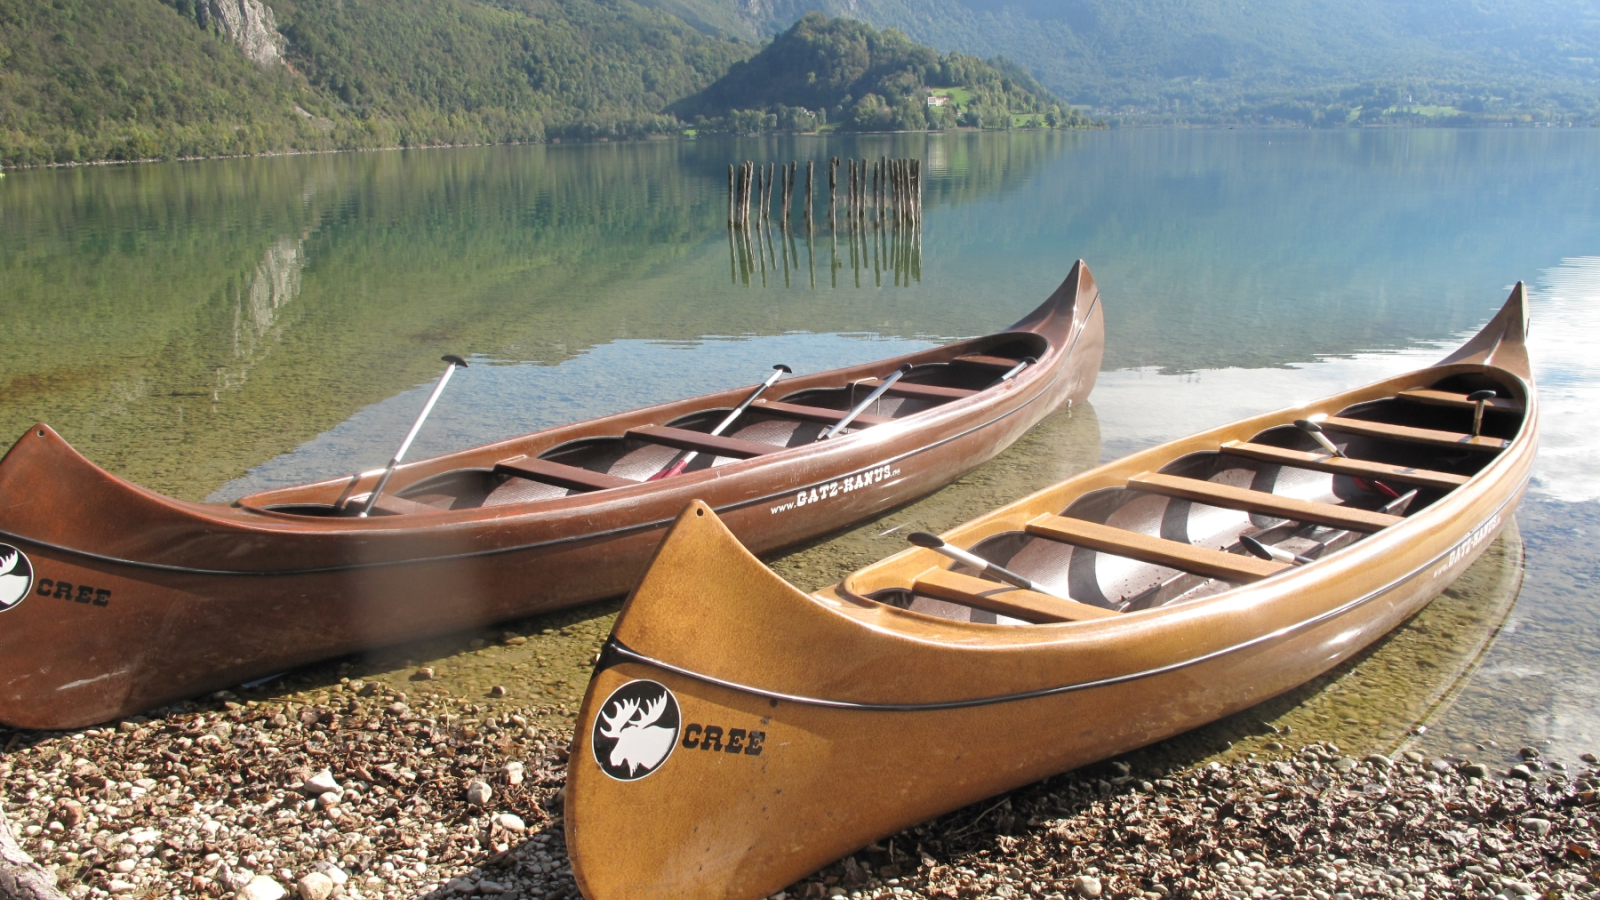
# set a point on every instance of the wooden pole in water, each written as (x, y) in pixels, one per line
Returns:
(811, 172)
(749, 183)
(833, 192)
(730, 195)
(772, 186)
(916, 168)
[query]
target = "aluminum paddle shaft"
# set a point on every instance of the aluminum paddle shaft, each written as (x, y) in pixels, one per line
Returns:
(861, 407)
(677, 468)
(372, 499)
(940, 546)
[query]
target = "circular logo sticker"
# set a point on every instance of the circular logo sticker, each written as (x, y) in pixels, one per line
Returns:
(16, 576)
(636, 730)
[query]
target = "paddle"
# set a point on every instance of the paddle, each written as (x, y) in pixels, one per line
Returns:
(683, 463)
(1315, 430)
(938, 545)
(862, 406)
(1015, 370)
(1272, 553)
(454, 361)
(1481, 398)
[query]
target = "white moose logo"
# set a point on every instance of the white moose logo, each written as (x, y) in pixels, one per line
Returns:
(641, 728)
(16, 576)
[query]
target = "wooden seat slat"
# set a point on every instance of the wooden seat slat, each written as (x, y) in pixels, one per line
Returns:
(1460, 401)
(1354, 468)
(700, 442)
(920, 391)
(1410, 435)
(991, 362)
(1003, 599)
(1230, 497)
(559, 474)
(815, 413)
(1160, 551)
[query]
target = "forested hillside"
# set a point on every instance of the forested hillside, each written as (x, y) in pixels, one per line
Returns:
(1302, 61)
(129, 79)
(862, 79)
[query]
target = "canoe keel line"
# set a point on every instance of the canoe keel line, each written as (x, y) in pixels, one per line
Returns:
(135, 599)
(807, 726)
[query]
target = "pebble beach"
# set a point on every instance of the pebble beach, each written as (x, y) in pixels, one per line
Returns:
(363, 791)
(436, 770)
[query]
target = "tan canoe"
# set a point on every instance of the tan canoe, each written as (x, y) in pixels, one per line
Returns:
(739, 733)
(131, 599)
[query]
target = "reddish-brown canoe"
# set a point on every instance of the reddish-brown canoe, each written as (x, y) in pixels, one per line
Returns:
(135, 599)
(739, 733)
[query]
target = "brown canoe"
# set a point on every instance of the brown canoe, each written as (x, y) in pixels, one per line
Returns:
(134, 599)
(739, 734)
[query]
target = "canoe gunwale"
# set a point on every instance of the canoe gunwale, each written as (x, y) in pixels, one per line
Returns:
(615, 653)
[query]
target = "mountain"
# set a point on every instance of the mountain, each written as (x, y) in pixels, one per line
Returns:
(131, 79)
(1306, 61)
(848, 73)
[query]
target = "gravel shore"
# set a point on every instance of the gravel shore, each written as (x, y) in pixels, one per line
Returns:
(374, 792)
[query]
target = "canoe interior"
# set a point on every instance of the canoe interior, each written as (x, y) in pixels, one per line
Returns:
(634, 458)
(1117, 582)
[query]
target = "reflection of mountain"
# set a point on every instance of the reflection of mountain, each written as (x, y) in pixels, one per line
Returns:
(257, 307)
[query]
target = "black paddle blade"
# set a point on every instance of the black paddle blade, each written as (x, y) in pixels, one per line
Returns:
(924, 539)
(784, 369)
(1255, 547)
(454, 359)
(1481, 396)
(1308, 425)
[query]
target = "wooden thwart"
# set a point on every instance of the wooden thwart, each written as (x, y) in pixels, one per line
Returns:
(1411, 435)
(920, 391)
(1160, 551)
(570, 477)
(1354, 468)
(1003, 599)
(815, 413)
(1460, 401)
(700, 442)
(1230, 497)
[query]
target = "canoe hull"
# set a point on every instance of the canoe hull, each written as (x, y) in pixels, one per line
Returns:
(874, 718)
(183, 598)
(816, 762)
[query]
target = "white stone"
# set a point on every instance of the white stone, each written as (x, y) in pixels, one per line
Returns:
(514, 772)
(510, 822)
(331, 798)
(318, 784)
(1088, 887)
(478, 793)
(262, 888)
(336, 874)
(315, 886)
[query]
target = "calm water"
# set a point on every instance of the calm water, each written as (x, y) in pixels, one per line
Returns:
(211, 328)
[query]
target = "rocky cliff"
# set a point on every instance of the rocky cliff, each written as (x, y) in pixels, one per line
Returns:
(251, 25)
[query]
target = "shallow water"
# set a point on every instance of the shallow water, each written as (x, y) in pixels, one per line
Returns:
(211, 328)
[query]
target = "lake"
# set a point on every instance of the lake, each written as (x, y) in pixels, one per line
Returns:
(211, 328)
